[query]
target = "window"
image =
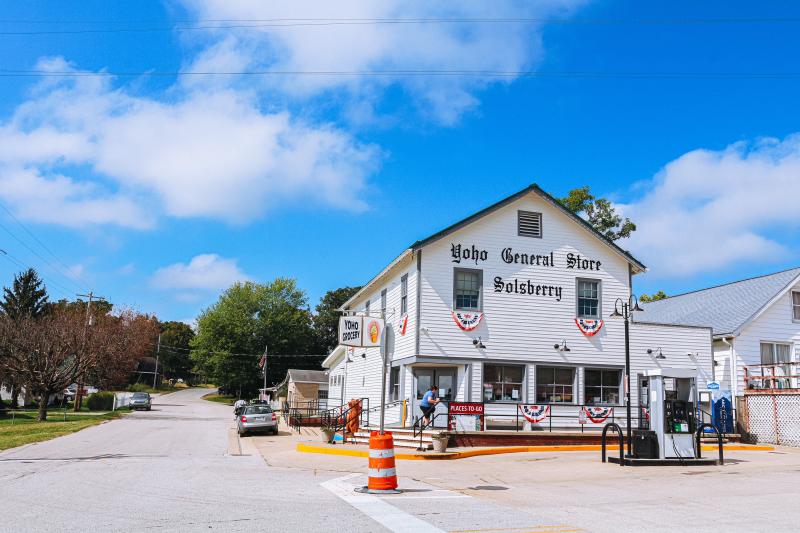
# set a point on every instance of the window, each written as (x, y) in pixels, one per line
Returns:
(796, 305)
(467, 288)
(404, 294)
(775, 354)
(529, 224)
(444, 378)
(554, 384)
(322, 394)
(502, 383)
(366, 308)
(588, 292)
(383, 303)
(601, 387)
(394, 384)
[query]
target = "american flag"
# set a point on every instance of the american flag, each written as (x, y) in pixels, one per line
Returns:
(263, 360)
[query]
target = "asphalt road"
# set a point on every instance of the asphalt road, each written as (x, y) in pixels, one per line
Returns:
(167, 469)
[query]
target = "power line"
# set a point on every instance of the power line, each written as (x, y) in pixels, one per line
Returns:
(419, 73)
(60, 289)
(75, 276)
(178, 348)
(53, 268)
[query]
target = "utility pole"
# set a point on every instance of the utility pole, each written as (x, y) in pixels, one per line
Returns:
(264, 371)
(91, 297)
(158, 351)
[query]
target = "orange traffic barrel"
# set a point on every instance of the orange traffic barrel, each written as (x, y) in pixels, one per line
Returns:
(382, 472)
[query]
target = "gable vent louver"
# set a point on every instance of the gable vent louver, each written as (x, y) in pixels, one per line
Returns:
(529, 224)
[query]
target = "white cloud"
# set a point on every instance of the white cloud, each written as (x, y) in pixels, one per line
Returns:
(708, 210)
(309, 46)
(206, 272)
(80, 152)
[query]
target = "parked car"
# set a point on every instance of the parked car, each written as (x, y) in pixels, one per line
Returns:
(140, 400)
(258, 401)
(69, 392)
(257, 418)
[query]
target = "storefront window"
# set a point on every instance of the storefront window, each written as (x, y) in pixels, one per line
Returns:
(554, 384)
(601, 387)
(394, 383)
(502, 383)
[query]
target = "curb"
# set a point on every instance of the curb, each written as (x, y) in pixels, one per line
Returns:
(310, 448)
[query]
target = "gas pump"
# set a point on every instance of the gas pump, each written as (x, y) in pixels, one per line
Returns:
(668, 401)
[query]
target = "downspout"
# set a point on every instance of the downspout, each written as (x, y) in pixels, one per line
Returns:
(733, 367)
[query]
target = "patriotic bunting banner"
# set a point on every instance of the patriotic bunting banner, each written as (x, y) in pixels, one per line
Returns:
(589, 328)
(534, 413)
(467, 321)
(403, 325)
(598, 415)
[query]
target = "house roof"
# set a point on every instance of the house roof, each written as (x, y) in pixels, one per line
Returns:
(725, 308)
(307, 376)
(533, 188)
(638, 266)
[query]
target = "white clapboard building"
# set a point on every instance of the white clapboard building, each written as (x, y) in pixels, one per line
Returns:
(510, 306)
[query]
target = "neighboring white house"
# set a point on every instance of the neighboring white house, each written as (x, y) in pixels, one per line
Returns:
(511, 306)
(756, 328)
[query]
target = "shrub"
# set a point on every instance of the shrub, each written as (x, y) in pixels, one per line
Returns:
(100, 401)
(138, 387)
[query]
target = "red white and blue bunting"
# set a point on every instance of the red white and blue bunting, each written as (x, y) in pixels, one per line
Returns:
(588, 327)
(402, 326)
(598, 415)
(534, 413)
(467, 321)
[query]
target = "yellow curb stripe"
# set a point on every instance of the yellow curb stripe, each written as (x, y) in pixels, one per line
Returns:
(310, 448)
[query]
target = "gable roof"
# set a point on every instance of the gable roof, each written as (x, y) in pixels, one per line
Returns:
(638, 266)
(533, 188)
(726, 308)
(307, 376)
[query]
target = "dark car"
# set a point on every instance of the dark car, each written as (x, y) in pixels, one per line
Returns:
(140, 400)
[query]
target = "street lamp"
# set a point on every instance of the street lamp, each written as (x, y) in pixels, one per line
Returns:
(625, 309)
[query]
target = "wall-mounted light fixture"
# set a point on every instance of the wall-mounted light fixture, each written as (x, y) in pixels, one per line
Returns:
(478, 343)
(657, 351)
(562, 347)
(364, 355)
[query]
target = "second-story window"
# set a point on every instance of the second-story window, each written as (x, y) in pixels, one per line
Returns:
(383, 303)
(404, 294)
(796, 305)
(366, 308)
(467, 289)
(588, 293)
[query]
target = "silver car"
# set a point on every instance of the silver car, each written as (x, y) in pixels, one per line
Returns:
(140, 400)
(255, 418)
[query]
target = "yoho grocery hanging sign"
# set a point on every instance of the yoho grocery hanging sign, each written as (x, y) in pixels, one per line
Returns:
(360, 331)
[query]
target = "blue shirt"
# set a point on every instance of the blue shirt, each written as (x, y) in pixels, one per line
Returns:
(430, 395)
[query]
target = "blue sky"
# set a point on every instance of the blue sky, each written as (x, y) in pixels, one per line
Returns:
(158, 191)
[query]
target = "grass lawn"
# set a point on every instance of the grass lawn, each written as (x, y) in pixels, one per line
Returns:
(24, 429)
(220, 398)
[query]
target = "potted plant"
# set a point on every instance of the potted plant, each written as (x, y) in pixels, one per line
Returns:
(328, 431)
(440, 442)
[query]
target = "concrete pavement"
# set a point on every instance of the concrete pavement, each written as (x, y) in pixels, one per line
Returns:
(179, 468)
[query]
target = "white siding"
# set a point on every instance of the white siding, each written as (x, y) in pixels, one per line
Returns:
(515, 326)
(775, 324)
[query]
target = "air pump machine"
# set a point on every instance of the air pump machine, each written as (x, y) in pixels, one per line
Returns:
(668, 400)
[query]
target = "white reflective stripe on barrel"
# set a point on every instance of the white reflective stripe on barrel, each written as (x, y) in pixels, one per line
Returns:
(382, 472)
(381, 454)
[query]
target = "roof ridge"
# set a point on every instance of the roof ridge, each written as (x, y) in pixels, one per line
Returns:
(724, 284)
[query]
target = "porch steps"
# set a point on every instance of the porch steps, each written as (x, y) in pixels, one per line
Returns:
(403, 437)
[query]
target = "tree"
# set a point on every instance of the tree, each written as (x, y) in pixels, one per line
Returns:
(232, 334)
(27, 296)
(173, 356)
(326, 321)
(599, 212)
(660, 295)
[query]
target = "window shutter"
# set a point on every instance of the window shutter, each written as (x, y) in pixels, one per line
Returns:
(529, 224)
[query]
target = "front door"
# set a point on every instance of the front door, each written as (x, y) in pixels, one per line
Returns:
(445, 379)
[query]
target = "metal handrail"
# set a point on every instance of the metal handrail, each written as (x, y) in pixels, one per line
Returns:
(719, 442)
(422, 428)
(618, 429)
